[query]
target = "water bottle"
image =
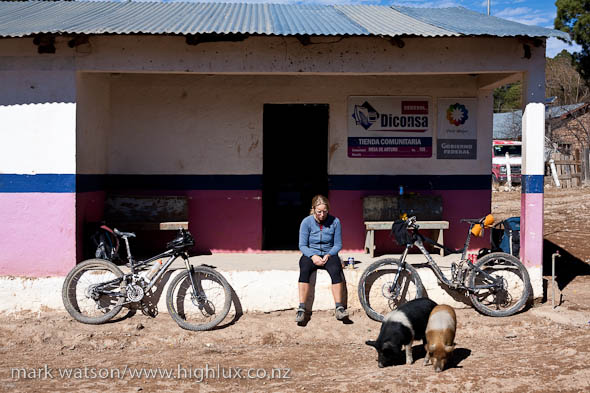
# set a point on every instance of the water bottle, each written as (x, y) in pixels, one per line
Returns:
(153, 270)
(350, 262)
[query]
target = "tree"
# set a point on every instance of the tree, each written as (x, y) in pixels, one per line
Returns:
(573, 17)
(563, 81)
(507, 98)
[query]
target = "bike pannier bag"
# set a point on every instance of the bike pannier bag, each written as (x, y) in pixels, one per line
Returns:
(106, 243)
(510, 242)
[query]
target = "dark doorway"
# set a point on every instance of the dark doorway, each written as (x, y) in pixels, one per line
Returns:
(295, 168)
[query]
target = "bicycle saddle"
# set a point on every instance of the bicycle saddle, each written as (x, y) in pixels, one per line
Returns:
(123, 234)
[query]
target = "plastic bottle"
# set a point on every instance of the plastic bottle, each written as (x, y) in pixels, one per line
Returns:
(153, 270)
(350, 262)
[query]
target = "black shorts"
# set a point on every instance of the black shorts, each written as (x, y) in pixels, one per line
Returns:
(333, 266)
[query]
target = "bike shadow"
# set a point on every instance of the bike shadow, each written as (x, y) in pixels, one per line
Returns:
(235, 312)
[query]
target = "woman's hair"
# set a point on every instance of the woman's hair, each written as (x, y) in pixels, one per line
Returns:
(319, 200)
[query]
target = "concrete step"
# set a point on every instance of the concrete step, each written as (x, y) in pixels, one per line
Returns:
(261, 282)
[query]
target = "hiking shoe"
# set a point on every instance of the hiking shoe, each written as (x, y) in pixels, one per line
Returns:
(341, 313)
(300, 316)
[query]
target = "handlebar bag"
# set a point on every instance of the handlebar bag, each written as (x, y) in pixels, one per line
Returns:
(399, 230)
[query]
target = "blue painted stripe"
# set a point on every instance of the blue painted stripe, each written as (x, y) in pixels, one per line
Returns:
(413, 182)
(87, 183)
(532, 184)
(37, 183)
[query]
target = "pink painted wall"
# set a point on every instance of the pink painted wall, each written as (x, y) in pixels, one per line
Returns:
(531, 229)
(38, 234)
(457, 204)
(231, 220)
(226, 221)
(220, 221)
(89, 208)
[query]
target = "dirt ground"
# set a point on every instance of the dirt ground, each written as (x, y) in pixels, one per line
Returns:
(540, 350)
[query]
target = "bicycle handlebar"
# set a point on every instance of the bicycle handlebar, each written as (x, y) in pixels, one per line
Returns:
(411, 222)
(473, 220)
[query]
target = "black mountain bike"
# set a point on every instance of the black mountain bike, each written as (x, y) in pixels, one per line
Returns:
(498, 284)
(197, 299)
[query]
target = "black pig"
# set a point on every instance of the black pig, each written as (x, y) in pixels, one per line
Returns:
(400, 328)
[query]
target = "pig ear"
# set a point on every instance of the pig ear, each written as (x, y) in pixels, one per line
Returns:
(388, 346)
(371, 343)
(449, 348)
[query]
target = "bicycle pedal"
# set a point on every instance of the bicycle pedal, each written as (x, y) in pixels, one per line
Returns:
(149, 313)
(149, 310)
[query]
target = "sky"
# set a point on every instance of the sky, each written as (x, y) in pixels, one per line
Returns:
(531, 12)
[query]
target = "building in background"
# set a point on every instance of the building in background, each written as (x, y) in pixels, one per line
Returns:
(248, 110)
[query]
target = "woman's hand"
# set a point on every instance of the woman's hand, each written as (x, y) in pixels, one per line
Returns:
(318, 261)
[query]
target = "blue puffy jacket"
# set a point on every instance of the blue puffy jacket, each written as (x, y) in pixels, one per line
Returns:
(320, 239)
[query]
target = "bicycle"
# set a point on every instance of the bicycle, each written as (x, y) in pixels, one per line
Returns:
(498, 284)
(198, 299)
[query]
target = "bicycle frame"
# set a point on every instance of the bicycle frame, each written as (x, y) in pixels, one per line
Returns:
(456, 284)
(171, 254)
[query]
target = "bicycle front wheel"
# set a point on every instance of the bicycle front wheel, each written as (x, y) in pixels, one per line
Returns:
(513, 285)
(204, 308)
(92, 291)
(379, 293)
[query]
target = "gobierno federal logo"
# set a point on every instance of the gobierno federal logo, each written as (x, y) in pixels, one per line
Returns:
(457, 114)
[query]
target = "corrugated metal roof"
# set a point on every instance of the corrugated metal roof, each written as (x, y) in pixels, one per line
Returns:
(509, 124)
(467, 22)
(552, 112)
(390, 22)
(19, 19)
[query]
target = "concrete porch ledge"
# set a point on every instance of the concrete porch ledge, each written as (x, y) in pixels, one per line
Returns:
(263, 282)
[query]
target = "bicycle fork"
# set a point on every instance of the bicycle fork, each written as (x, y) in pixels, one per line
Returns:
(395, 288)
(198, 298)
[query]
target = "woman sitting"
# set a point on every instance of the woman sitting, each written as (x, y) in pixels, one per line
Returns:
(320, 240)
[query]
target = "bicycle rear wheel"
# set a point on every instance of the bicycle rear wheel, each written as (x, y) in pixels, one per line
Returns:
(202, 310)
(83, 292)
(515, 287)
(376, 290)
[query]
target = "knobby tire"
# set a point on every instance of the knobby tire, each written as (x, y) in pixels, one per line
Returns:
(182, 307)
(374, 300)
(75, 295)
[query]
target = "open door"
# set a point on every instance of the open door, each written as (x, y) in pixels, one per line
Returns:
(295, 168)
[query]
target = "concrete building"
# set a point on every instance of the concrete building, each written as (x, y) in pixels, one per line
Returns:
(248, 110)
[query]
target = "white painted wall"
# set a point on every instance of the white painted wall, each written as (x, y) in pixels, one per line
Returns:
(27, 77)
(38, 138)
(37, 110)
(533, 139)
(358, 55)
(93, 122)
(218, 117)
(212, 124)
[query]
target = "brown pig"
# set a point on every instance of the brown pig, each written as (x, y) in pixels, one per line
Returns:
(440, 336)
